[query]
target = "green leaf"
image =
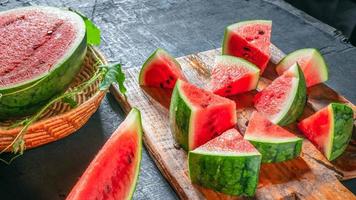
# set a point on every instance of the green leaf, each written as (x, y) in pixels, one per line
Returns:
(113, 74)
(93, 32)
(70, 101)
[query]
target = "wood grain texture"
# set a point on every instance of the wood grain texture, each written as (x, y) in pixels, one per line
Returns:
(310, 176)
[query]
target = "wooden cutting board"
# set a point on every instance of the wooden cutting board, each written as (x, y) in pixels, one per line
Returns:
(310, 176)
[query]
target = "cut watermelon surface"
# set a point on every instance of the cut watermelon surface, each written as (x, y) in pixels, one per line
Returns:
(272, 141)
(310, 61)
(232, 75)
(114, 171)
(249, 40)
(160, 70)
(227, 164)
(329, 129)
(197, 116)
(282, 102)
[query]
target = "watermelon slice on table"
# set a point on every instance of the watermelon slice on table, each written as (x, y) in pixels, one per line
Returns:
(232, 75)
(228, 164)
(283, 101)
(160, 70)
(197, 116)
(329, 129)
(114, 171)
(249, 40)
(272, 141)
(310, 61)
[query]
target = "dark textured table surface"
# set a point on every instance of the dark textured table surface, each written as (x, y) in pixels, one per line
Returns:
(131, 30)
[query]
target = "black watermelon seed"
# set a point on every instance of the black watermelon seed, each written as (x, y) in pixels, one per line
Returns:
(161, 85)
(261, 32)
(229, 86)
(204, 105)
(247, 49)
(168, 81)
(171, 77)
(256, 37)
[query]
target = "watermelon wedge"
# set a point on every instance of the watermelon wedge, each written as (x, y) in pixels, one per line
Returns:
(228, 164)
(196, 116)
(310, 61)
(160, 70)
(329, 129)
(272, 141)
(232, 75)
(114, 171)
(249, 40)
(282, 102)
(42, 49)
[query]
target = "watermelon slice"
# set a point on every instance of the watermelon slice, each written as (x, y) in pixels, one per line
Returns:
(42, 49)
(282, 102)
(249, 40)
(329, 129)
(272, 141)
(114, 171)
(160, 70)
(227, 164)
(310, 61)
(197, 116)
(232, 75)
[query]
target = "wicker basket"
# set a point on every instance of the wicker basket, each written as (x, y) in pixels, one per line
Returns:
(60, 119)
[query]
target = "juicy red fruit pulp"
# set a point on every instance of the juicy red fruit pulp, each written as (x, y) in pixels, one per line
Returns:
(162, 72)
(31, 44)
(250, 41)
(214, 116)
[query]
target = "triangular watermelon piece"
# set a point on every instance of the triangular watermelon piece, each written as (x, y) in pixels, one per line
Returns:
(310, 61)
(232, 75)
(329, 129)
(228, 164)
(282, 102)
(249, 40)
(114, 171)
(275, 143)
(160, 70)
(197, 116)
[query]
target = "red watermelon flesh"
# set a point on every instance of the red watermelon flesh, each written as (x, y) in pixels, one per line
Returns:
(259, 127)
(113, 172)
(249, 40)
(232, 75)
(231, 141)
(160, 70)
(214, 114)
(32, 41)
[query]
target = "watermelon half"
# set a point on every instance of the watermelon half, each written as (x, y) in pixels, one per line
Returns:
(42, 50)
(232, 75)
(197, 116)
(282, 102)
(272, 141)
(160, 70)
(310, 61)
(249, 40)
(114, 171)
(228, 164)
(329, 129)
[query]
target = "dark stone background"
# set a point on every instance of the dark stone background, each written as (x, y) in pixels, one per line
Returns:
(131, 30)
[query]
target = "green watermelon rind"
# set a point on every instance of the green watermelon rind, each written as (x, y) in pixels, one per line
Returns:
(146, 65)
(180, 117)
(293, 109)
(231, 27)
(324, 74)
(27, 97)
(229, 174)
(341, 129)
(277, 150)
(140, 131)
